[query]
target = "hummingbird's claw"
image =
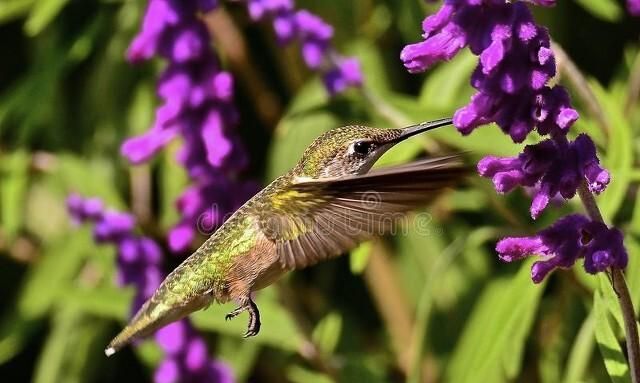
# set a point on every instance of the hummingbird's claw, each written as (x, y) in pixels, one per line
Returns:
(254, 317)
(235, 312)
(254, 320)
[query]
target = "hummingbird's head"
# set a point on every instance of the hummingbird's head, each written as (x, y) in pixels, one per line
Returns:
(354, 149)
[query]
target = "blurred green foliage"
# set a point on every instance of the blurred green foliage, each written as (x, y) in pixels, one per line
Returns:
(68, 98)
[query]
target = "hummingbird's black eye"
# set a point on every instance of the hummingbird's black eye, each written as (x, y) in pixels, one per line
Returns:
(362, 147)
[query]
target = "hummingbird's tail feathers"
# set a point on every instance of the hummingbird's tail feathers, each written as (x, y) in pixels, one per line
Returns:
(140, 325)
(150, 317)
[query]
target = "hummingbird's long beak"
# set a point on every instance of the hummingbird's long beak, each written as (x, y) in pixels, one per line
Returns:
(422, 127)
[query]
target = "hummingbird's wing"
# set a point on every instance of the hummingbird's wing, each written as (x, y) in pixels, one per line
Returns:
(323, 218)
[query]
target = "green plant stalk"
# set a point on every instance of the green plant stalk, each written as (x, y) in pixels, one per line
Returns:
(616, 276)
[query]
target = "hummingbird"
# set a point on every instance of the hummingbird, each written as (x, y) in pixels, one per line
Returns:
(325, 205)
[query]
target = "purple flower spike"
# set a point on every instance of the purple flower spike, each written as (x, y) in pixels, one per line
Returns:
(139, 260)
(113, 226)
(188, 355)
(346, 74)
(553, 167)
(314, 36)
(197, 106)
(633, 6)
(515, 64)
(564, 242)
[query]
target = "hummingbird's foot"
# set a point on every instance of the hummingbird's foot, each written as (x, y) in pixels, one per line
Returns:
(254, 319)
(235, 312)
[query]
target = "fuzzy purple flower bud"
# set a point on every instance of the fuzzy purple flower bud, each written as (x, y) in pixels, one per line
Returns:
(347, 73)
(554, 167)
(112, 226)
(564, 242)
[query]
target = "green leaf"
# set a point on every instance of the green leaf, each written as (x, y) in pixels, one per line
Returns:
(11, 9)
(13, 191)
(610, 298)
(42, 286)
(633, 268)
(580, 353)
(492, 344)
(327, 332)
(612, 354)
(619, 155)
(88, 178)
(173, 180)
(372, 63)
(364, 367)
(607, 10)
(42, 13)
(297, 374)
(72, 349)
(239, 354)
(359, 257)
(107, 302)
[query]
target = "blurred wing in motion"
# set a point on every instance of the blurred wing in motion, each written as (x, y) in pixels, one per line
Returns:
(323, 218)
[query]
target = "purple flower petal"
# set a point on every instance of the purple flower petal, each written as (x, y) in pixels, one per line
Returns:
(180, 237)
(441, 46)
(167, 372)
(196, 358)
(633, 6)
(217, 144)
(172, 337)
(139, 149)
(220, 372)
(514, 248)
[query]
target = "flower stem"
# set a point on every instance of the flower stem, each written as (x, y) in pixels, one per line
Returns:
(622, 292)
(589, 202)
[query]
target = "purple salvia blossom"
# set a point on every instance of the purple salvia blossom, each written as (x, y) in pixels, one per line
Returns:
(139, 258)
(197, 106)
(186, 357)
(553, 167)
(515, 64)
(314, 35)
(139, 261)
(633, 6)
(564, 242)
(197, 99)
